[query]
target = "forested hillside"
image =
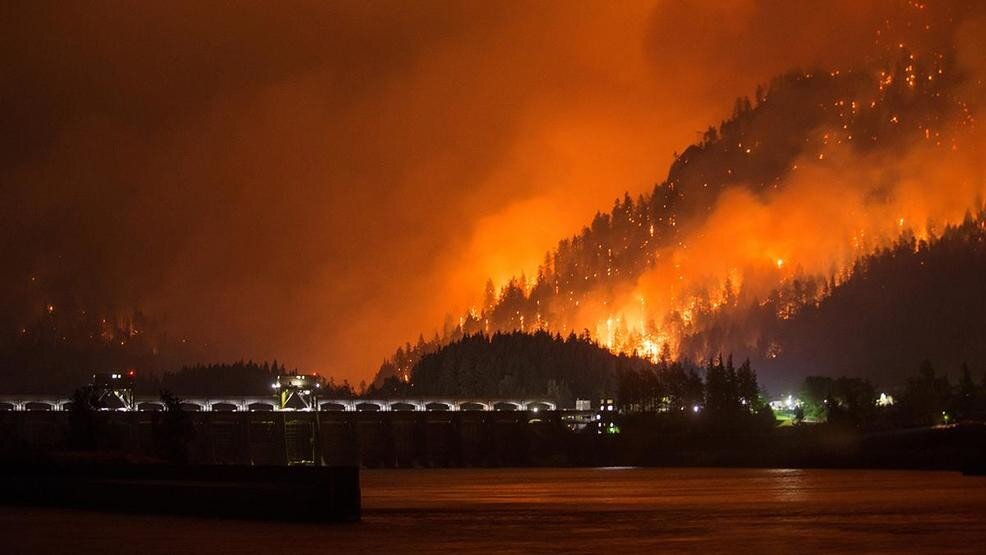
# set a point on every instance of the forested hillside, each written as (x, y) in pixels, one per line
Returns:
(912, 301)
(798, 119)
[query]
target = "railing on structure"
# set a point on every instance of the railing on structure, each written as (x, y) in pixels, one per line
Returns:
(268, 404)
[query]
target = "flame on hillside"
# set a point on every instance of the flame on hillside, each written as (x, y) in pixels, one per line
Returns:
(900, 156)
(826, 217)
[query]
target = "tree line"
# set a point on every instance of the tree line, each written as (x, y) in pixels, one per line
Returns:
(235, 379)
(515, 364)
(927, 398)
(518, 364)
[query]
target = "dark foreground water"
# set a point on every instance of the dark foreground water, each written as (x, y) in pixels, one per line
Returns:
(601, 511)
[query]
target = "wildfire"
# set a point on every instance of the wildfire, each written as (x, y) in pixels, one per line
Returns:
(778, 245)
(825, 227)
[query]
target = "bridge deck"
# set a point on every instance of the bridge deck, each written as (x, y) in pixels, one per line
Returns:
(258, 404)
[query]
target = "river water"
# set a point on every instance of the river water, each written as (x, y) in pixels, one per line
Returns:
(600, 511)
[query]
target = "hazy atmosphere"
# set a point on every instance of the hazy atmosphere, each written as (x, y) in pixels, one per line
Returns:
(510, 276)
(320, 183)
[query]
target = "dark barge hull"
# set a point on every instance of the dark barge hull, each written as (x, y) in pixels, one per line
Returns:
(974, 468)
(319, 494)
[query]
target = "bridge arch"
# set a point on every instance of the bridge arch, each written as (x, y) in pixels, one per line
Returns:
(38, 405)
(260, 407)
(435, 405)
(368, 406)
(473, 405)
(403, 406)
(332, 407)
(223, 406)
(149, 406)
(506, 405)
(539, 406)
(5, 406)
(190, 406)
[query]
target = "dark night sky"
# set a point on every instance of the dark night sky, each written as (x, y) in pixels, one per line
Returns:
(319, 182)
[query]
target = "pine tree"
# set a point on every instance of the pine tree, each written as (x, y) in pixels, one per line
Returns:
(966, 395)
(746, 387)
(716, 388)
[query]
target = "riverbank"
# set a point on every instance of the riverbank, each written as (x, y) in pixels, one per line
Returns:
(408, 439)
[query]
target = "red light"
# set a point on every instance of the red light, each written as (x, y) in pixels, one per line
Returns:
(131, 373)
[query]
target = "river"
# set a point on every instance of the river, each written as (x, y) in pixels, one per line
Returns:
(600, 511)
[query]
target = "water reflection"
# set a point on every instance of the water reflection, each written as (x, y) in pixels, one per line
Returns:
(629, 510)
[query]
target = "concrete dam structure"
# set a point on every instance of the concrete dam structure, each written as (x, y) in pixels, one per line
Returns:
(381, 438)
(293, 425)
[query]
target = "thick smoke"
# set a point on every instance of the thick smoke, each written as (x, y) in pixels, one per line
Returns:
(318, 182)
(831, 209)
(819, 222)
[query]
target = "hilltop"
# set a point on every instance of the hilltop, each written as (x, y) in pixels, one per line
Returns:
(798, 119)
